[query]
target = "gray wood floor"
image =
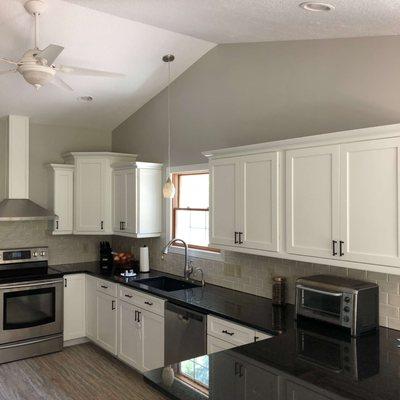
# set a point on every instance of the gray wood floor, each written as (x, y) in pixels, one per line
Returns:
(82, 372)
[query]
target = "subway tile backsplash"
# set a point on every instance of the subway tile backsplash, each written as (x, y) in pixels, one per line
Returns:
(253, 274)
(63, 249)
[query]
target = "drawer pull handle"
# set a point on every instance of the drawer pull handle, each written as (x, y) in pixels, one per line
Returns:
(129, 296)
(149, 303)
(104, 287)
(228, 333)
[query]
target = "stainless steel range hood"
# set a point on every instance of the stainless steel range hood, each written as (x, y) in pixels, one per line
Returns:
(14, 143)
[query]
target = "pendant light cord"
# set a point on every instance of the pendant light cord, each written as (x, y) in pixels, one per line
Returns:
(169, 116)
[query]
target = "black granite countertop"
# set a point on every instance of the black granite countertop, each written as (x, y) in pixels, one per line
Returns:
(304, 363)
(254, 311)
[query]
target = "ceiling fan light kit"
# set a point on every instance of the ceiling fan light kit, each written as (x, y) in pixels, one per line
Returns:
(37, 66)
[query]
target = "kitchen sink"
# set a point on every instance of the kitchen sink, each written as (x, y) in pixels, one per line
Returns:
(167, 284)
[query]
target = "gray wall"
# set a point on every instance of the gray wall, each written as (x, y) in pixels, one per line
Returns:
(248, 93)
(47, 143)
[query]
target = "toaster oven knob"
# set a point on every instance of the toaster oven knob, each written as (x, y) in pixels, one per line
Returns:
(346, 318)
(347, 299)
(35, 254)
(346, 309)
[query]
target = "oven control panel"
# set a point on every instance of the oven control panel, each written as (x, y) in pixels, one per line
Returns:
(14, 256)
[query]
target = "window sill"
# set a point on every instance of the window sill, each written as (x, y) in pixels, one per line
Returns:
(195, 253)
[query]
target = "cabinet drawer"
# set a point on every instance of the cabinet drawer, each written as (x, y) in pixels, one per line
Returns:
(142, 300)
(261, 336)
(106, 287)
(214, 345)
(229, 331)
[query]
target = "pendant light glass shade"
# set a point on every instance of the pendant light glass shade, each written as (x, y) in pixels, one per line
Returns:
(169, 189)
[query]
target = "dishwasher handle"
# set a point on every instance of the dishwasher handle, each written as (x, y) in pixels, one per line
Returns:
(184, 313)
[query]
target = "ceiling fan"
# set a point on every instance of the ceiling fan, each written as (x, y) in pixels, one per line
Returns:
(37, 66)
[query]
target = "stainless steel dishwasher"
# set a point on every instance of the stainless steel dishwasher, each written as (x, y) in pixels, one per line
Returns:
(185, 334)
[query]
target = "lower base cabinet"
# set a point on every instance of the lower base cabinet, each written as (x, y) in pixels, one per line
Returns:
(74, 313)
(295, 391)
(107, 322)
(141, 337)
(233, 377)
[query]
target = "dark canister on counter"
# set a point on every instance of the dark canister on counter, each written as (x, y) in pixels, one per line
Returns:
(278, 290)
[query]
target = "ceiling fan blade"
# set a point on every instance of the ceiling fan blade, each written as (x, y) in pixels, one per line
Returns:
(57, 81)
(8, 61)
(7, 72)
(88, 72)
(50, 53)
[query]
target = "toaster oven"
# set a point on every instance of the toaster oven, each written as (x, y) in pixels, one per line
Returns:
(349, 303)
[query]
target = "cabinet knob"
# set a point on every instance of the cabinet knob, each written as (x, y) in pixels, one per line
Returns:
(341, 253)
(102, 225)
(236, 240)
(334, 251)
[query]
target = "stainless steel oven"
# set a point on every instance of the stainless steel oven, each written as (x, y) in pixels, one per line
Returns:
(31, 305)
(345, 302)
(31, 309)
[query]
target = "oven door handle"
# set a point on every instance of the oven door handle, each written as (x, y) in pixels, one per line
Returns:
(29, 284)
(336, 294)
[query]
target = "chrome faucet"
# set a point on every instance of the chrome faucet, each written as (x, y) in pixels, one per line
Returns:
(188, 270)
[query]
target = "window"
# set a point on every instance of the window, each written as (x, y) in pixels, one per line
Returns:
(195, 373)
(190, 209)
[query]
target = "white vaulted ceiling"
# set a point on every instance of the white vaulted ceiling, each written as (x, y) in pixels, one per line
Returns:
(234, 21)
(91, 39)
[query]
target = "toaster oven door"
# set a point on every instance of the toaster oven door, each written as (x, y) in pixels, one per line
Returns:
(319, 304)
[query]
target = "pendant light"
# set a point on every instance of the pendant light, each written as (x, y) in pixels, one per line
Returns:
(169, 188)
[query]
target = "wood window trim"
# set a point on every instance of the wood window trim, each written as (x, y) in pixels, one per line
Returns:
(175, 207)
(191, 382)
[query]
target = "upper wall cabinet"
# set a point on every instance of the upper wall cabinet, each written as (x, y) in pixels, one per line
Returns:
(92, 190)
(369, 200)
(61, 198)
(312, 200)
(244, 202)
(137, 199)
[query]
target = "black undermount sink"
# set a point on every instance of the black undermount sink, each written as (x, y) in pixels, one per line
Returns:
(167, 284)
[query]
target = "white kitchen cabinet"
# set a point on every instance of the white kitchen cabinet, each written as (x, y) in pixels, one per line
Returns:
(224, 195)
(137, 199)
(258, 215)
(214, 345)
(312, 200)
(370, 202)
(74, 307)
(106, 307)
(130, 339)
(91, 307)
(93, 190)
(60, 198)
(244, 202)
(153, 340)
(141, 337)
(294, 391)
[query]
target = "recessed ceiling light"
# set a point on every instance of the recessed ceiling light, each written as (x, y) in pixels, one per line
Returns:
(85, 99)
(312, 6)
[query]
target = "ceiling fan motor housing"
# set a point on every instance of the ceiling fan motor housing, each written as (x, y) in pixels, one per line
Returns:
(35, 7)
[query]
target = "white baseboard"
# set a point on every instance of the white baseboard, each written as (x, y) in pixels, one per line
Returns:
(74, 342)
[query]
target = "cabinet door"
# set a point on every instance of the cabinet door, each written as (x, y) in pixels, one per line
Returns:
(259, 201)
(153, 340)
(131, 203)
(224, 195)
(224, 382)
(89, 200)
(119, 200)
(258, 382)
(63, 201)
(130, 348)
(214, 345)
(149, 198)
(312, 200)
(299, 392)
(370, 201)
(91, 307)
(107, 322)
(74, 306)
